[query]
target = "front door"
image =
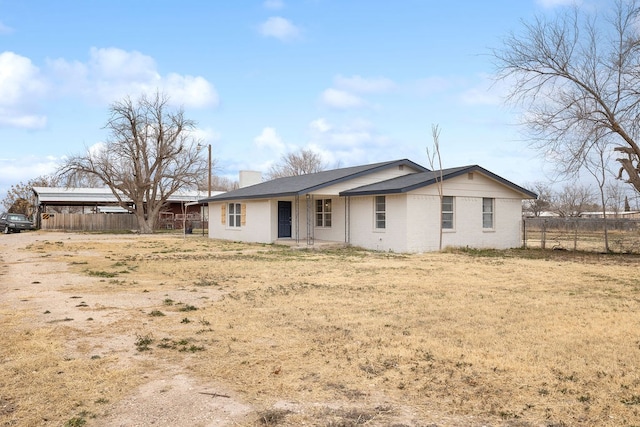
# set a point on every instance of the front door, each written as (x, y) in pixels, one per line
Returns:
(284, 219)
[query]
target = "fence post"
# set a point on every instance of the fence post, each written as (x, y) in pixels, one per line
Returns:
(543, 234)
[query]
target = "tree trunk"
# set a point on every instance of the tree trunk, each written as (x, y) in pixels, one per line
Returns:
(144, 225)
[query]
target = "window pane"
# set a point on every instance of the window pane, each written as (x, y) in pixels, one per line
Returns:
(447, 203)
(327, 220)
(380, 211)
(319, 220)
(487, 213)
(327, 205)
(447, 212)
(235, 211)
(447, 220)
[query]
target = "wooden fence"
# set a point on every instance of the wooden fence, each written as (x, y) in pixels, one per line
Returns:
(582, 234)
(88, 222)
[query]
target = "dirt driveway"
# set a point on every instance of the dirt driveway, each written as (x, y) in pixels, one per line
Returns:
(35, 287)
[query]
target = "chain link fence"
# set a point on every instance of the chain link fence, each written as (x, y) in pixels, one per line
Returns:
(582, 234)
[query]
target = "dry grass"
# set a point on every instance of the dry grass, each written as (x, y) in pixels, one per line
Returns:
(335, 338)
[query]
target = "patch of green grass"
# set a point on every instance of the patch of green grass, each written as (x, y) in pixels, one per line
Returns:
(80, 420)
(205, 282)
(192, 348)
(272, 417)
(143, 342)
(188, 307)
(100, 273)
(632, 400)
(182, 345)
(156, 313)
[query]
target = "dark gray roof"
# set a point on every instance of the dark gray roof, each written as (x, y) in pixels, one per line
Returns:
(405, 183)
(303, 184)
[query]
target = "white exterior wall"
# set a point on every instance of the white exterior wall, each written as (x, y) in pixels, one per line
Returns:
(412, 219)
(467, 230)
(261, 223)
(256, 229)
(336, 231)
(362, 225)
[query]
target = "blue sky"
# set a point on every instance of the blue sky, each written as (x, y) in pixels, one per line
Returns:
(357, 81)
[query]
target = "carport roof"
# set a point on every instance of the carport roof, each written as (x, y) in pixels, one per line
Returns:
(85, 196)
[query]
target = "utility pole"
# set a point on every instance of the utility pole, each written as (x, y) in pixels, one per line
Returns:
(209, 187)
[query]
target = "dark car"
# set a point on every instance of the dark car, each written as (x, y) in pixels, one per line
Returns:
(14, 223)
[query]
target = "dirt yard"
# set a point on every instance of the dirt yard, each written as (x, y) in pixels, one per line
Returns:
(168, 330)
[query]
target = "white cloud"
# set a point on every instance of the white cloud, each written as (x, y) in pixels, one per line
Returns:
(206, 135)
(279, 28)
(486, 92)
(340, 99)
(270, 140)
(21, 86)
(9, 118)
(111, 74)
(191, 91)
(112, 64)
(5, 29)
(548, 4)
(355, 142)
(320, 125)
(13, 171)
(361, 84)
(273, 4)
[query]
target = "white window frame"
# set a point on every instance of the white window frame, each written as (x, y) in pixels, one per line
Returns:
(234, 215)
(380, 213)
(323, 212)
(445, 214)
(488, 216)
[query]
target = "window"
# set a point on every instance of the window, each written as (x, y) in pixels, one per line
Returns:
(323, 213)
(447, 212)
(487, 213)
(380, 212)
(235, 214)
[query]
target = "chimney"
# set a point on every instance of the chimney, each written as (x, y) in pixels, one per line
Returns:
(248, 178)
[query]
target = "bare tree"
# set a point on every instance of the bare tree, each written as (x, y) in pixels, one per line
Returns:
(573, 200)
(21, 199)
(535, 207)
(150, 154)
(617, 199)
(577, 76)
(596, 162)
(221, 183)
(302, 162)
(432, 156)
